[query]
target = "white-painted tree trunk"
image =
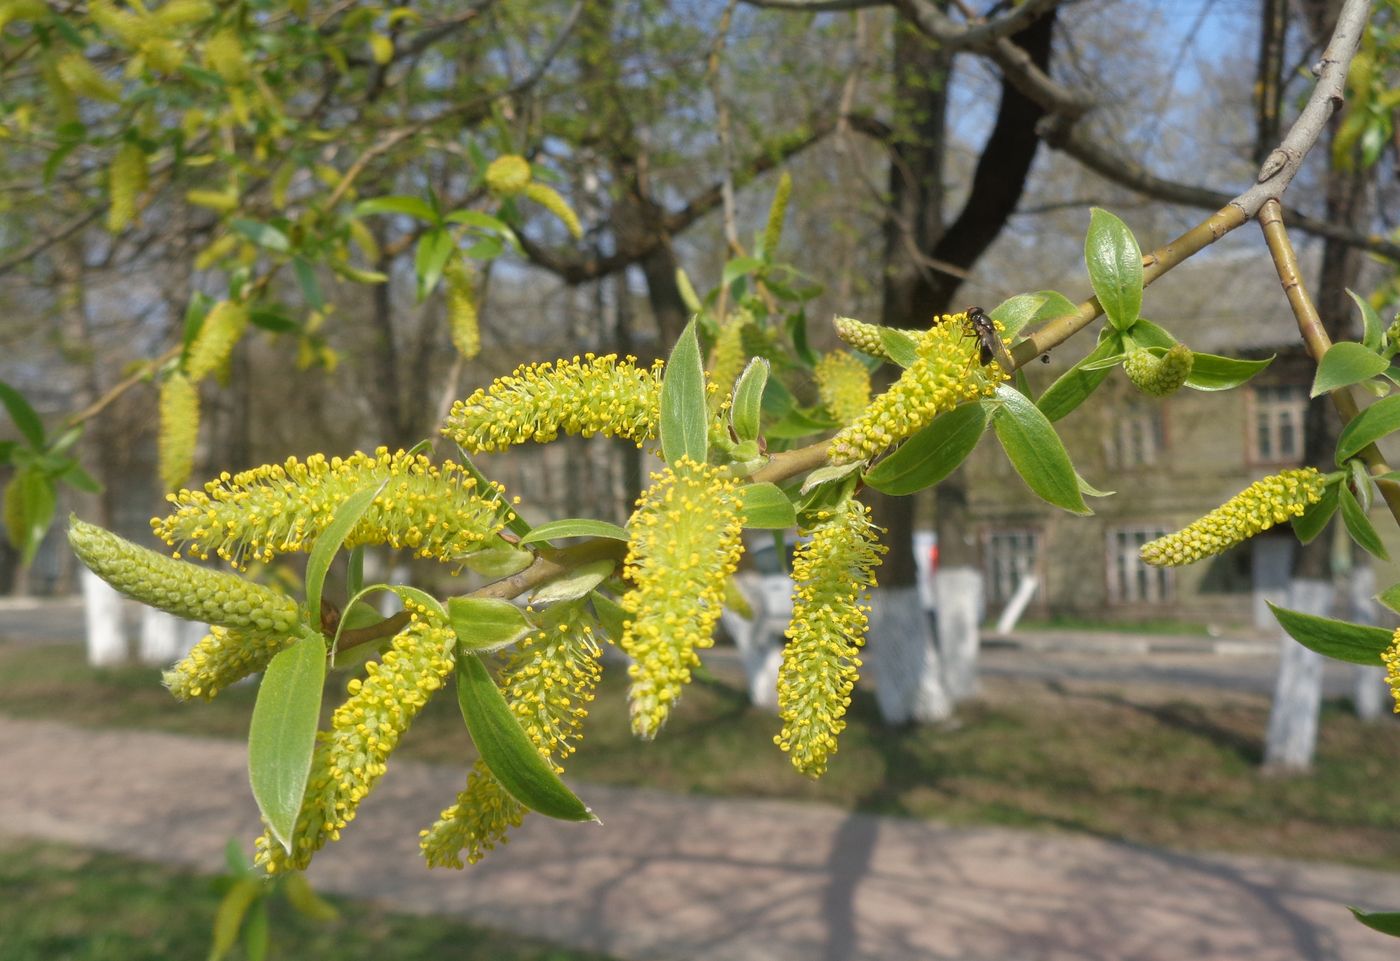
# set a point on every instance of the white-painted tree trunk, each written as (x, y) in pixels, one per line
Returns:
(908, 679)
(161, 638)
(760, 640)
(102, 613)
(958, 598)
(1292, 735)
(1370, 693)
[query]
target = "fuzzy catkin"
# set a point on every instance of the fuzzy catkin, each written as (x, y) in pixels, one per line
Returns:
(223, 327)
(1391, 659)
(224, 656)
(178, 408)
(1159, 376)
(461, 310)
(551, 200)
(126, 180)
(777, 213)
(866, 337)
(843, 385)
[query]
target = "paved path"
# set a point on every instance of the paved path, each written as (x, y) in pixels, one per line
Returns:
(673, 877)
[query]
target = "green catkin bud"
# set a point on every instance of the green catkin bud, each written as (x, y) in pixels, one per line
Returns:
(179, 429)
(181, 588)
(436, 512)
(1158, 376)
(777, 213)
(944, 374)
(549, 198)
(351, 757)
(220, 248)
(461, 310)
(219, 201)
(508, 175)
(685, 544)
(1257, 508)
(843, 384)
(223, 327)
(81, 77)
(834, 571)
(537, 402)
(1391, 659)
(126, 180)
(178, 13)
(549, 682)
(223, 53)
(728, 357)
(221, 658)
(866, 337)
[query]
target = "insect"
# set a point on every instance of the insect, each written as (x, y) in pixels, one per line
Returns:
(985, 330)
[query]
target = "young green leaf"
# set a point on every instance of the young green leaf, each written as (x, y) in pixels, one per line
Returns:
(1344, 364)
(500, 558)
(575, 584)
(318, 563)
(931, 454)
(747, 410)
(305, 901)
(310, 286)
(29, 508)
(408, 206)
(282, 734)
(1315, 516)
(765, 506)
(1373, 331)
(738, 267)
(507, 750)
(1035, 450)
(263, 235)
(1340, 640)
(684, 413)
(233, 908)
(255, 932)
(899, 346)
(435, 248)
(1359, 526)
(1074, 386)
(1115, 267)
(1145, 333)
(574, 527)
(1386, 922)
(1379, 420)
(824, 475)
(486, 623)
(612, 617)
(23, 415)
(1016, 312)
(1390, 598)
(1213, 372)
(1056, 305)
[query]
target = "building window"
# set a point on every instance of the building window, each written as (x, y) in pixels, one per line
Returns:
(1130, 581)
(1009, 557)
(1276, 434)
(1135, 437)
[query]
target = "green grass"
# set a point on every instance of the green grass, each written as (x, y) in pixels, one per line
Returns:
(59, 903)
(1159, 626)
(1165, 767)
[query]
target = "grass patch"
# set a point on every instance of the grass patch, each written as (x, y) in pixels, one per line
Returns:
(1157, 626)
(59, 903)
(1164, 766)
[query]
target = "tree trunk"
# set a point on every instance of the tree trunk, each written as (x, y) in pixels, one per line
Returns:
(959, 594)
(1292, 735)
(908, 681)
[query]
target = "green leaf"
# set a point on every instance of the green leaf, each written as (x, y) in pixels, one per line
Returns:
(435, 248)
(777, 399)
(1316, 516)
(486, 623)
(1363, 485)
(482, 221)
(1088, 489)
(29, 508)
(612, 616)
(1379, 420)
(23, 415)
(1213, 372)
(1115, 267)
(574, 527)
(1344, 364)
(282, 734)
(306, 901)
(1147, 334)
(310, 286)
(1016, 312)
(797, 423)
(1056, 305)
(507, 750)
(747, 410)
(229, 918)
(263, 235)
(346, 516)
(1036, 451)
(575, 584)
(499, 559)
(1108, 363)
(1359, 525)
(684, 415)
(931, 454)
(899, 346)
(1386, 922)
(1340, 640)
(399, 204)
(273, 320)
(738, 267)
(255, 933)
(75, 476)
(1373, 331)
(1074, 386)
(766, 507)
(825, 475)
(236, 861)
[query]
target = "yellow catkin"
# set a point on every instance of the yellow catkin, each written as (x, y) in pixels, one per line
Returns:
(351, 757)
(1261, 505)
(179, 13)
(537, 402)
(777, 213)
(220, 201)
(549, 682)
(550, 199)
(461, 309)
(866, 337)
(728, 357)
(1159, 376)
(1391, 659)
(223, 327)
(223, 657)
(178, 587)
(833, 572)
(945, 373)
(163, 55)
(81, 77)
(508, 175)
(179, 429)
(220, 248)
(223, 53)
(843, 385)
(131, 28)
(685, 543)
(435, 511)
(126, 180)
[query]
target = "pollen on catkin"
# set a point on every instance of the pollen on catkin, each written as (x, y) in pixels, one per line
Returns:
(777, 213)
(1257, 508)
(866, 337)
(177, 587)
(436, 511)
(218, 335)
(728, 356)
(461, 309)
(178, 409)
(507, 175)
(551, 200)
(945, 373)
(537, 402)
(685, 543)
(350, 758)
(843, 385)
(223, 657)
(833, 572)
(1159, 376)
(1391, 659)
(126, 179)
(549, 681)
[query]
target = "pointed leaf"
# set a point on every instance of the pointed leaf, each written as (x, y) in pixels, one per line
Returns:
(409, 206)
(1115, 267)
(347, 515)
(1359, 525)
(1212, 372)
(29, 502)
(1016, 312)
(263, 235)
(1373, 331)
(282, 733)
(1316, 516)
(229, 917)
(23, 415)
(486, 623)
(765, 506)
(738, 267)
(1386, 922)
(306, 901)
(1340, 640)
(899, 346)
(575, 584)
(684, 414)
(747, 410)
(1379, 420)
(931, 454)
(507, 750)
(1344, 364)
(1075, 385)
(500, 558)
(1390, 598)
(1056, 305)
(574, 527)
(1145, 333)
(824, 475)
(1036, 451)
(435, 248)
(612, 616)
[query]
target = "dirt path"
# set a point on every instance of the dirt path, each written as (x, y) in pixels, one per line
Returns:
(673, 877)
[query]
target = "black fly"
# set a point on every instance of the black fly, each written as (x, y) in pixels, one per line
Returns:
(985, 330)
